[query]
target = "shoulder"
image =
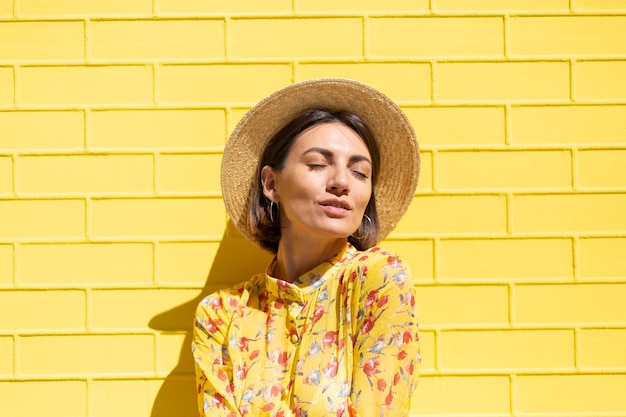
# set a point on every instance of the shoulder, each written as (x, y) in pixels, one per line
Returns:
(377, 267)
(230, 300)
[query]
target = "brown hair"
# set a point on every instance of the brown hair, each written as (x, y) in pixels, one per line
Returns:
(263, 224)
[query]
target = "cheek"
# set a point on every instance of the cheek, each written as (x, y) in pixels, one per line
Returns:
(295, 192)
(364, 197)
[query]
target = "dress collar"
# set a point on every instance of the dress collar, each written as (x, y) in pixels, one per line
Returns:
(309, 281)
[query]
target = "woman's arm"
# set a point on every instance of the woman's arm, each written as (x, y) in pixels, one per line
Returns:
(214, 374)
(386, 339)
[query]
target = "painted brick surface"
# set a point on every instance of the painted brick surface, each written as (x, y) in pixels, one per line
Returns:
(308, 38)
(113, 119)
(85, 174)
(42, 41)
(411, 37)
(6, 86)
(6, 175)
(85, 263)
(168, 129)
(40, 130)
(131, 40)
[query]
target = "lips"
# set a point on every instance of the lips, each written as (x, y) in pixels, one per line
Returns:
(336, 203)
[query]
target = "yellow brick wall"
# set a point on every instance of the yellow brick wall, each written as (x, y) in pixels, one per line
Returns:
(113, 117)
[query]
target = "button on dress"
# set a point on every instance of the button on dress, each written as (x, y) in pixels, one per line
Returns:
(342, 340)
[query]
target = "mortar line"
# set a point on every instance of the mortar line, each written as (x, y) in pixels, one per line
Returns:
(227, 39)
(506, 36)
(16, 269)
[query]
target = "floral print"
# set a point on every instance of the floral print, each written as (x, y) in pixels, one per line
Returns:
(342, 340)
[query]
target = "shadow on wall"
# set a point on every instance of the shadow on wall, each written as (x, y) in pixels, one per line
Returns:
(236, 260)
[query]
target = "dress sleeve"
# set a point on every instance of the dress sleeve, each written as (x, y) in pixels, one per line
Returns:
(385, 338)
(213, 364)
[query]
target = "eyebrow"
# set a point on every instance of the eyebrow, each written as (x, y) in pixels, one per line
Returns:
(328, 155)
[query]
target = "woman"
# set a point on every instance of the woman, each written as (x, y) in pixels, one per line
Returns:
(316, 173)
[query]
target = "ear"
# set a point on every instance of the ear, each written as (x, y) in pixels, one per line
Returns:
(268, 181)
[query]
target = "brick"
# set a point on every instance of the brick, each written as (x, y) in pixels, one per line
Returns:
(40, 130)
(6, 265)
(441, 215)
(123, 397)
(6, 8)
(25, 310)
(573, 304)
(85, 174)
(308, 37)
(360, 6)
(570, 394)
(471, 170)
(160, 309)
(569, 213)
(472, 125)
(6, 175)
(177, 396)
(86, 85)
(42, 219)
(601, 80)
(173, 358)
(7, 354)
(163, 129)
(568, 124)
(481, 350)
(209, 264)
(602, 348)
(186, 262)
(75, 354)
(186, 217)
(185, 173)
(174, 396)
(7, 86)
(419, 254)
(435, 36)
(601, 258)
(156, 39)
(473, 305)
(221, 83)
(502, 81)
(39, 41)
(601, 168)
(86, 263)
(403, 82)
(59, 398)
(516, 259)
(196, 7)
(598, 5)
(567, 35)
(498, 6)
(462, 395)
(84, 8)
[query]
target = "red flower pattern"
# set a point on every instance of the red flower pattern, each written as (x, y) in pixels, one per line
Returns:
(371, 366)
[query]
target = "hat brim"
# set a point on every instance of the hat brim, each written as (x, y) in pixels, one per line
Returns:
(394, 135)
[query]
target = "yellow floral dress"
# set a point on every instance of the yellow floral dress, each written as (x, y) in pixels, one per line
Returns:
(342, 340)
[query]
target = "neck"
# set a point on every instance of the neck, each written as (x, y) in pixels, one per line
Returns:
(296, 256)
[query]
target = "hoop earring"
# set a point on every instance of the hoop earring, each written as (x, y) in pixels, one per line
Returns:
(271, 210)
(368, 219)
(361, 236)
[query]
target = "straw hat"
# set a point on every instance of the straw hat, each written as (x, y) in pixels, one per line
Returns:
(399, 150)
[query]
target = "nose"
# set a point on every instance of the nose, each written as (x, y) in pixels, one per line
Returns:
(338, 182)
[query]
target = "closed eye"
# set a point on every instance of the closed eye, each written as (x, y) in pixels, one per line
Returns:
(360, 175)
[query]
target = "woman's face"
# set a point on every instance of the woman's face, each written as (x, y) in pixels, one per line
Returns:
(325, 184)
